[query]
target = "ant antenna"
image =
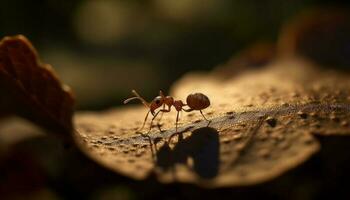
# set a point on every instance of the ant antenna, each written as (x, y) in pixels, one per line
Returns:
(161, 93)
(137, 96)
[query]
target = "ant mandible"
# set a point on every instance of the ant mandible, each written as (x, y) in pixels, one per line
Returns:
(196, 101)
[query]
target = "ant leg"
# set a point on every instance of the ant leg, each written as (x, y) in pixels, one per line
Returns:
(154, 116)
(177, 120)
(172, 135)
(161, 116)
(163, 110)
(203, 115)
(144, 122)
(151, 145)
(187, 110)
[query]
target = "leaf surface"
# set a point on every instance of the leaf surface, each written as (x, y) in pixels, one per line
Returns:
(263, 123)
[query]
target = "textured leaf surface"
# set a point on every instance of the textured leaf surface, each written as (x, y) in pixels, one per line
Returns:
(31, 88)
(262, 124)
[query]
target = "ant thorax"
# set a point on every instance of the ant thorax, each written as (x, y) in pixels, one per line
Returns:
(168, 100)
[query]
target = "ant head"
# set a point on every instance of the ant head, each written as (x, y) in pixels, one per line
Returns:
(156, 103)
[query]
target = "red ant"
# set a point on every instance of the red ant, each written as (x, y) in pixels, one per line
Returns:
(196, 101)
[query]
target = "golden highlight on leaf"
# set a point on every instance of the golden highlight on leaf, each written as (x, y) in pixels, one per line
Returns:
(262, 124)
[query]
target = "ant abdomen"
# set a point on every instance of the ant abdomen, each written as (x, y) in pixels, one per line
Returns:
(197, 101)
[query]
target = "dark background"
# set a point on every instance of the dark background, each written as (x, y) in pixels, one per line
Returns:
(105, 48)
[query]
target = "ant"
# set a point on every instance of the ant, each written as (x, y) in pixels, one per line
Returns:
(196, 101)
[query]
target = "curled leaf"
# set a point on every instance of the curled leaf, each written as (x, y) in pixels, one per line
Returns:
(262, 124)
(31, 88)
(320, 34)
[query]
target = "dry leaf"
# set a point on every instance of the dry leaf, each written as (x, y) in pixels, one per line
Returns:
(262, 124)
(31, 88)
(320, 34)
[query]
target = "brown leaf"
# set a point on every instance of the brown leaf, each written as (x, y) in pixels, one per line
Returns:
(320, 34)
(262, 125)
(31, 88)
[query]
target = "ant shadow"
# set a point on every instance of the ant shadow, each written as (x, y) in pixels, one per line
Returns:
(202, 146)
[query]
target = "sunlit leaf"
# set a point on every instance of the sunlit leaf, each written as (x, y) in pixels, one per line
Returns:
(262, 124)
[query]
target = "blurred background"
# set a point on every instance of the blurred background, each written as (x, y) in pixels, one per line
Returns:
(105, 48)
